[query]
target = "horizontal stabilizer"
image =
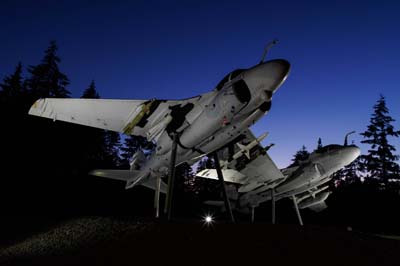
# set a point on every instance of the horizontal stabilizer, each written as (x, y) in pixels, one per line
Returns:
(131, 177)
(230, 175)
(124, 175)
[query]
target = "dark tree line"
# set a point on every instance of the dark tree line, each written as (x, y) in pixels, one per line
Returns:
(46, 163)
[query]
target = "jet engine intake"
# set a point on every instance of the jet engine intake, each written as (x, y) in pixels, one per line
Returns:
(242, 91)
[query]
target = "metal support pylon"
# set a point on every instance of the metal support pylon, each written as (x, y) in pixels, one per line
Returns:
(171, 176)
(221, 180)
(157, 196)
(273, 206)
(297, 210)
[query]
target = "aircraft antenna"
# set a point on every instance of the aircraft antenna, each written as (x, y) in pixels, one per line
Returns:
(345, 138)
(266, 49)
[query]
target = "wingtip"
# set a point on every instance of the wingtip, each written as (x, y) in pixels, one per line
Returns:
(36, 106)
(96, 172)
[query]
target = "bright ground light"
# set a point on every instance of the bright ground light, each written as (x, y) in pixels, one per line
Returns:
(208, 219)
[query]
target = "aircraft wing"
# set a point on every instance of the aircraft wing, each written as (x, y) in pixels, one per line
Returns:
(259, 167)
(131, 177)
(257, 170)
(132, 117)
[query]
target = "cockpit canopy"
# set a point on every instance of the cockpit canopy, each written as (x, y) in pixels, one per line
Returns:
(229, 77)
(327, 148)
(240, 88)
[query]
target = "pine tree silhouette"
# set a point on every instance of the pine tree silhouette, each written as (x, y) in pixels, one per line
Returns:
(112, 145)
(352, 173)
(101, 146)
(299, 156)
(91, 92)
(319, 144)
(132, 144)
(12, 85)
(46, 78)
(380, 162)
(13, 108)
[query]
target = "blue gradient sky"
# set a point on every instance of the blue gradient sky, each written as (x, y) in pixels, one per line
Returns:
(343, 55)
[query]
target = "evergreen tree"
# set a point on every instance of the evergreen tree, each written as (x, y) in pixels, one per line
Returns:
(186, 177)
(112, 144)
(13, 109)
(14, 140)
(12, 85)
(47, 147)
(91, 140)
(46, 78)
(91, 92)
(101, 146)
(351, 174)
(380, 162)
(132, 144)
(300, 155)
(319, 144)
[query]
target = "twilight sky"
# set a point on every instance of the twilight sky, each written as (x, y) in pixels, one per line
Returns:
(343, 55)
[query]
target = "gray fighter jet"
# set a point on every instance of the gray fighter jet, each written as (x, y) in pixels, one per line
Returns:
(183, 130)
(259, 180)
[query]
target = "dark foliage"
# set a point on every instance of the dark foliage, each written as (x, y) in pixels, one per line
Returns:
(319, 144)
(380, 161)
(207, 188)
(104, 145)
(45, 164)
(12, 87)
(46, 79)
(132, 144)
(300, 156)
(91, 92)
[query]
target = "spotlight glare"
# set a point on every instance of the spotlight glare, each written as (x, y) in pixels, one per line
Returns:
(208, 219)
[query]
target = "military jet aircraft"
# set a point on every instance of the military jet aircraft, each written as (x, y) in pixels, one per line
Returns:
(259, 180)
(183, 130)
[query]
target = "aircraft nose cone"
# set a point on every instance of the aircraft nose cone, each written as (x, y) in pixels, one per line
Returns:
(268, 76)
(352, 152)
(282, 68)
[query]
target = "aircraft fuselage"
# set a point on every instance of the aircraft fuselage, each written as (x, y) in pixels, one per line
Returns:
(305, 177)
(218, 117)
